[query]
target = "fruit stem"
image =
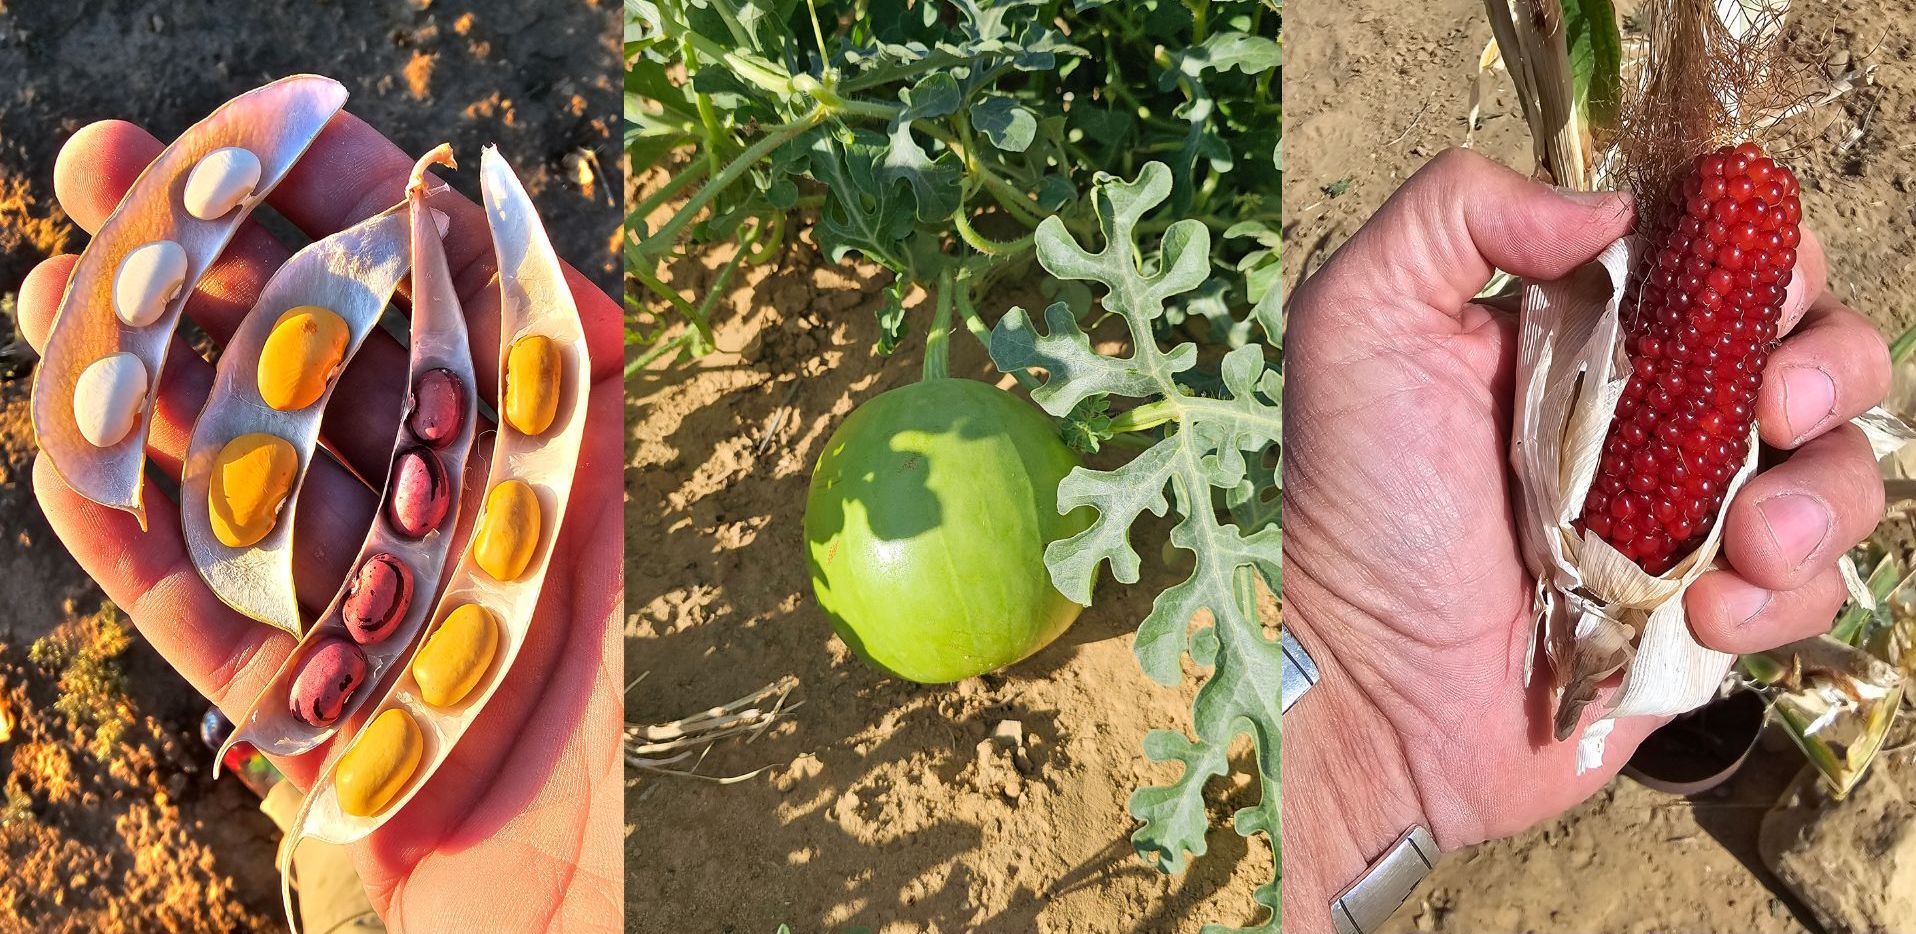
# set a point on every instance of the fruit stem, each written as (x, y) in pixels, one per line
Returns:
(937, 340)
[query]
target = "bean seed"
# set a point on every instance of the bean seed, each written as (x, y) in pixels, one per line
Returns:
(508, 531)
(456, 656)
(304, 350)
(326, 681)
(532, 384)
(149, 279)
(437, 407)
(419, 495)
(220, 181)
(377, 598)
(251, 477)
(108, 398)
(383, 759)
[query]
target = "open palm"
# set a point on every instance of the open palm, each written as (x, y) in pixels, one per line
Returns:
(518, 830)
(1403, 575)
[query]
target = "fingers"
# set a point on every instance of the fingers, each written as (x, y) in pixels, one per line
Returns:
(1461, 217)
(1791, 522)
(1833, 367)
(224, 655)
(1809, 281)
(1730, 614)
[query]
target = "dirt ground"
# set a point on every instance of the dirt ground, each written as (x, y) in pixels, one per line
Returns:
(878, 804)
(110, 820)
(1372, 90)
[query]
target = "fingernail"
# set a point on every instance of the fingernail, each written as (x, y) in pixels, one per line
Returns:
(1797, 524)
(1592, 198)
(1743, 603)
(1809, 396)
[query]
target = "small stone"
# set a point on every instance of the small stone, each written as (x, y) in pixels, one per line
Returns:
(1008, 733)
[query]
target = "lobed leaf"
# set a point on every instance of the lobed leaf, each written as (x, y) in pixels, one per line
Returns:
(1213, 447)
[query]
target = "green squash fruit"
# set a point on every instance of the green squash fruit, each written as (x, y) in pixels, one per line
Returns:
(926, 526)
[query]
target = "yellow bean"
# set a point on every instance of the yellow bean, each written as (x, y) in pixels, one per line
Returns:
(532, 384)
(456, 656)
(301, 354)
(381, 762)
(251, 477)
(508, 531)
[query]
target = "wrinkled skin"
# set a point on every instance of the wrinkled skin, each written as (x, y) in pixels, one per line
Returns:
(483, 847)
(1402, 574)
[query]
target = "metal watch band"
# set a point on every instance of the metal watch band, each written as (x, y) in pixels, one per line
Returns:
(1299, 672)
(1366, 904)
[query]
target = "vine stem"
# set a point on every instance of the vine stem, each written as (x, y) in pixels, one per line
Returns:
(738, 166)
(975, 323)
(937, 340)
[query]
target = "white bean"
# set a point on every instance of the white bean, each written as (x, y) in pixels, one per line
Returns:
(108, 397)
(148, 280)
(221, 180)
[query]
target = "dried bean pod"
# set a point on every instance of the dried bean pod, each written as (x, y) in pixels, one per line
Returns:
(275, 124)
(351, 274)
(534, 299)
(439, 343)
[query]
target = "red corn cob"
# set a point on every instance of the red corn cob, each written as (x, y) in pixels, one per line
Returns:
(1700, 319)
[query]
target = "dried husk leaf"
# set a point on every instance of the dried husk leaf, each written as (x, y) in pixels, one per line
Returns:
(438, 341)
(276, 123)
(353, 274)
(1596, 610)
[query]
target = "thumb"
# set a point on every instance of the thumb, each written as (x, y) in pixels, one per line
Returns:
(1441, 236)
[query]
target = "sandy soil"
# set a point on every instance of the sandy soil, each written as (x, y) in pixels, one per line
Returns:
(881, 804)
(1372, 91)
(110, 820)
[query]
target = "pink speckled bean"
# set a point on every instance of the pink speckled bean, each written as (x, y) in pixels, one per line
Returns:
(437, 406)
(376, 598)
(418, 496)
(327, 680)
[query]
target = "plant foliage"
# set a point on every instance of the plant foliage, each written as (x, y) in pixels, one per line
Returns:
(1213, 444)
(954, 143)
(932, 137)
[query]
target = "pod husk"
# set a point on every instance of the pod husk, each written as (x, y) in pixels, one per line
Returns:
(353, 273)
(277, 123)
(534, 299)
(438, 341)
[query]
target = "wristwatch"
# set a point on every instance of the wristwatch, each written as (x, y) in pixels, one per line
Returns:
(1364, 905)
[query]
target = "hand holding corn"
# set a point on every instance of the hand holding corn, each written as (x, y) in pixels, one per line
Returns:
(1403, 575)
(474, 856)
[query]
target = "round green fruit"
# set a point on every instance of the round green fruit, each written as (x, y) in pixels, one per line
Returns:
(926, 526)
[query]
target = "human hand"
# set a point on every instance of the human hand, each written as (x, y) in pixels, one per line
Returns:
(1402, 571)
(518, 830)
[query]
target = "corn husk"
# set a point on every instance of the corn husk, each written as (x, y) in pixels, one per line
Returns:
(1596, 611)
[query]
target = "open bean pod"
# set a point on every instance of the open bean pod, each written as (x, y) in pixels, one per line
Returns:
(95, 385)
(482, 618)
(388, 595)
(258, 431)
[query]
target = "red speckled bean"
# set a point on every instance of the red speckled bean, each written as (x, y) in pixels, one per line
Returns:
(332, 672)
(437, 406)
(418, 496)
(376, 598)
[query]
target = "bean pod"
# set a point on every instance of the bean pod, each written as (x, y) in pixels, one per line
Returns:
(91, 416)
(257, 433)
(482, 617)
(387, 595)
